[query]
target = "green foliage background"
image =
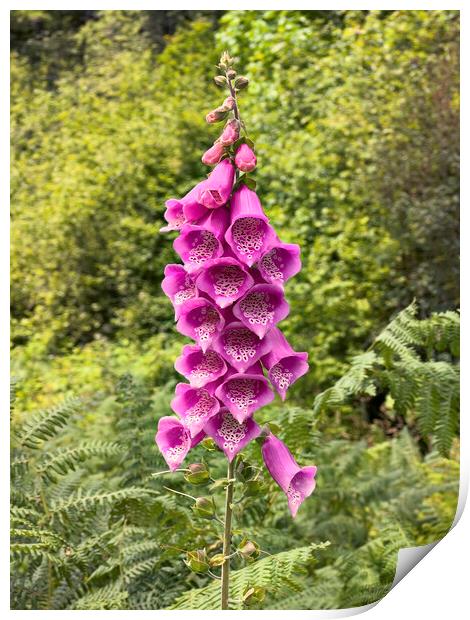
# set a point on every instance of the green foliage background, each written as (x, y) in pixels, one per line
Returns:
(355, 118)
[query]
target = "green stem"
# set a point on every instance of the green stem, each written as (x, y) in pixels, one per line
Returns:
(227, 536)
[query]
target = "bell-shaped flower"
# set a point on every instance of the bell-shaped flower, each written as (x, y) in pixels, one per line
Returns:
(200, 367)
(261, 308)
(174, 215)
(239, 346)
(230, 133)
(229, 434)
(196, 245)
(224, 280)
(243, 394)
(245, 159)
(215, 191)
(185, 210)
(296, 482)
(250, 234)
(179, 286)
(284, 364)
(280, 263)
(213, 155)
(195, 406)
(200, 320)
(174, 440)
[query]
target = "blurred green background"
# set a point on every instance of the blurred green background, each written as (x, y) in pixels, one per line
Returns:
(355, 118)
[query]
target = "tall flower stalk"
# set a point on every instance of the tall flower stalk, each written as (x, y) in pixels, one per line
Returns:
(228, 296)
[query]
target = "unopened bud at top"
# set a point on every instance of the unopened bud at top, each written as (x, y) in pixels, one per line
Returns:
(241, 82)
(220, 80)
(229, 103)
(231, 74)
(217, 115)
(230, 133)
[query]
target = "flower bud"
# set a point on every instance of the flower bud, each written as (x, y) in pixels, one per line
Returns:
(209, 444)
(230, 133)
(253, 595)
(220, 80)
(197, 561)
(217, 115)
(245, 159)
(217, 560)
(229, 103)
(249, 549)
(213, 155)
(204, 507)
(231, 74)
(197, 474)
(241, 82)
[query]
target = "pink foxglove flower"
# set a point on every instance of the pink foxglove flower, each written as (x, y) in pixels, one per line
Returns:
(196, 245)
(224, 280)
(199, 367)
(239, 346)
(175, 441)
(245, 159)
(229, 434)
(179, 286)
(194, 406)
(296, 482)
(228, 298)
(218, 187)
(249, 234)
(244, 393)
(213, 155)
(200, 320)
(285, 366)
(261, 308)
(280, 263)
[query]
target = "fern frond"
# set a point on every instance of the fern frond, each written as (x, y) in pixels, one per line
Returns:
(64, 460)
(47, 424)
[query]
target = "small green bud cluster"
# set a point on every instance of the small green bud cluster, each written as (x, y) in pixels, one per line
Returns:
(229, 75)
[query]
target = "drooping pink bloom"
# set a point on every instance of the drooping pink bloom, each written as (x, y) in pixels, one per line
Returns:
(185, 210)
(249, 234)
(179, 286)
(284, 364)
(200, 367)
(280, 263)
(213, 155)
(229, 434)
(262, 307)
(195, 406)
(230, 133)
(245, 159)
(224, 280)
(195, 246)
(174, 440)
(173, 215)
(296, 482)
(200, 320)
(243, 394)
(239, 346)
(216, 190)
